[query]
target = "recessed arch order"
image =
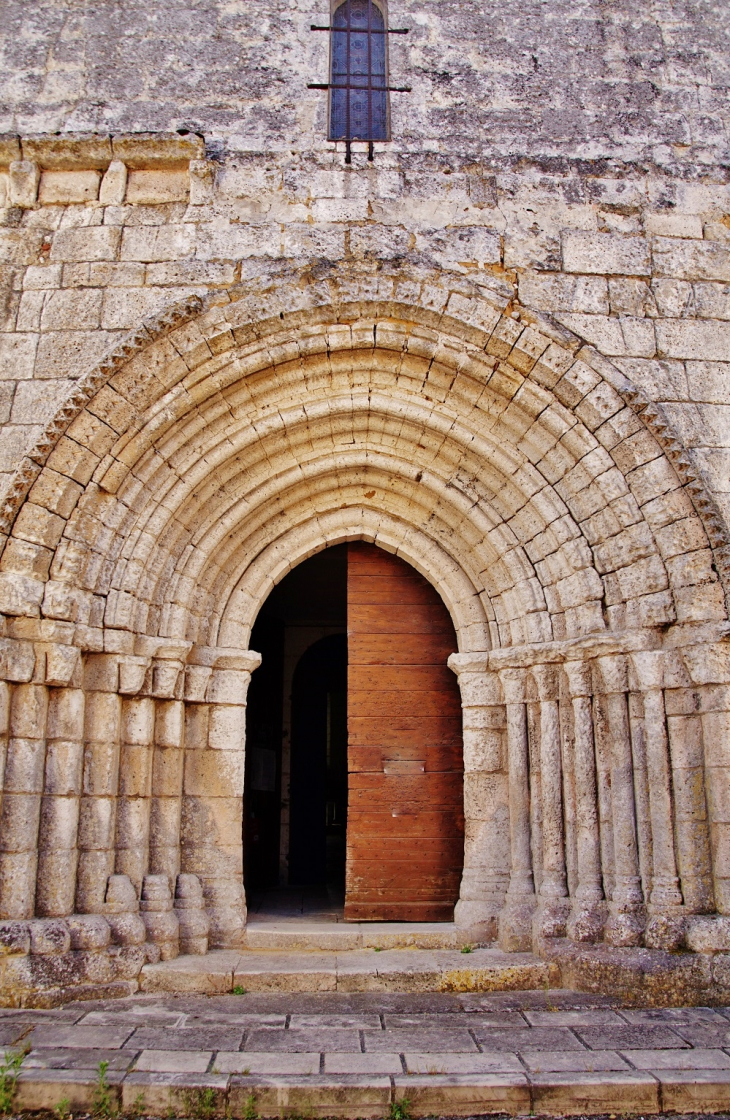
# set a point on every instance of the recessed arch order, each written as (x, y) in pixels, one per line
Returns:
(514, 467)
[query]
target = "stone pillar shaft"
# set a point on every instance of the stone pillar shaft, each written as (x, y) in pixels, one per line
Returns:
(167, 786)
(588, 914)
(690, 781)
(212, 820)
(21, 805)
(58, 841)
(486, 851)
(553, 910)
(515, 926)
(4, 726)
(665, 882)
(553, 850)
(135, 789)
(625, 924)
(97, 819)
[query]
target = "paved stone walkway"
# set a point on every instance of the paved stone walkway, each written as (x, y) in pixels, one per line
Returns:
(333, 1054)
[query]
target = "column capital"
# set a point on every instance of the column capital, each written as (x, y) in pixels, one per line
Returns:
(579, 677)
(62, 668)
(480, 687)
(648, 668)
(513, 684)
(132, 673)
(614, 673)
(469, 663)
(162, 649)
(546, 679)
(223, 657)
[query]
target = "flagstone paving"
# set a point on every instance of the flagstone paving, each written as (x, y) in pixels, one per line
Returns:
(360, 1054)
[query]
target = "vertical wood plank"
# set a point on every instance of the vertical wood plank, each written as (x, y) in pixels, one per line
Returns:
(405, 822)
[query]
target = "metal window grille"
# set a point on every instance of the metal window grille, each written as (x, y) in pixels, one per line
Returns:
(358, 72)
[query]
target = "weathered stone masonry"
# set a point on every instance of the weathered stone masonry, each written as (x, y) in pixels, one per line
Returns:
(504, 359)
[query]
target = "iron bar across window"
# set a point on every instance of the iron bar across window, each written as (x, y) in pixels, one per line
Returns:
(358, 72)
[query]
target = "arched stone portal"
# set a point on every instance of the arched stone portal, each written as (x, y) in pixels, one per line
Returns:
(581, 560)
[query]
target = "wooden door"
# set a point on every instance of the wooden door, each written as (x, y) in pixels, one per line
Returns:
(405, 820)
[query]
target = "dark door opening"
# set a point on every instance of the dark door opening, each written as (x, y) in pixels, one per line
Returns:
(262, 785)
(353, 801)
(295, 799)
(318, 820)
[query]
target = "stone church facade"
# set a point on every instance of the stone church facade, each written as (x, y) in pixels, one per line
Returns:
(496, 345)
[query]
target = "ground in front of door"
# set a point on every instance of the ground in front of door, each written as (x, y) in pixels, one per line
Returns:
(383, 1054)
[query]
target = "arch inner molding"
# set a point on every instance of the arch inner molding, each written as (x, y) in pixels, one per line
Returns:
(510, 464)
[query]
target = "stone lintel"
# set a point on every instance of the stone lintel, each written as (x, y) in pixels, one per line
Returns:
(68, 153)
(83, 151)
(157, 149)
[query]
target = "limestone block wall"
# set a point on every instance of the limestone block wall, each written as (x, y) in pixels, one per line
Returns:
(100, 233)
(554, 81)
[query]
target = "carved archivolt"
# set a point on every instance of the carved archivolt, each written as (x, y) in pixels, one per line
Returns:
(520, 472)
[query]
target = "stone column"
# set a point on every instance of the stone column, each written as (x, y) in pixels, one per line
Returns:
(4, 727)
(21, 806)
(168, 685)
(97, 819)
(665, 893)
(212, 819)
(698, 715)
(589, 909)
(641, 788)
(58, 841)
(553, 907)
(515, 921)
(135, 788)
(690, 785)
(486, 797)
(167, 787)
(625, 925)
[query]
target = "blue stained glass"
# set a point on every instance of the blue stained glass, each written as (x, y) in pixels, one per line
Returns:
(359, 111)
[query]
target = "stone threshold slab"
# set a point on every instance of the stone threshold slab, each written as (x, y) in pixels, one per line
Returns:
(296, 934)
(354, 970)
(372, 1096)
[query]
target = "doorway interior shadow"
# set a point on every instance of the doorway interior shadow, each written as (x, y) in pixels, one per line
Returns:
(295, 803)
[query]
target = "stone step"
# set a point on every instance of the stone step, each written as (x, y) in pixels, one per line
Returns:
(374, 1096)
(299, 935)
(352, 970)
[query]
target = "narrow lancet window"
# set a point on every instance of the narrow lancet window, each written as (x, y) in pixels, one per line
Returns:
(358, 72)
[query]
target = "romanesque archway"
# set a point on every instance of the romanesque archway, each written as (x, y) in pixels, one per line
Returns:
(578, 554)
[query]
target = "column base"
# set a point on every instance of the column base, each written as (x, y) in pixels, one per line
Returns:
(586, 921)
(551, 918)
(225, 905)
(480, 918)
(515, 924)
(625, 925)
(665, 930)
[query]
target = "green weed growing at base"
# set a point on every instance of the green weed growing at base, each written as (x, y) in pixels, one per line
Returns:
(104, 1106)
(9, 1074)
(200, 1103)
